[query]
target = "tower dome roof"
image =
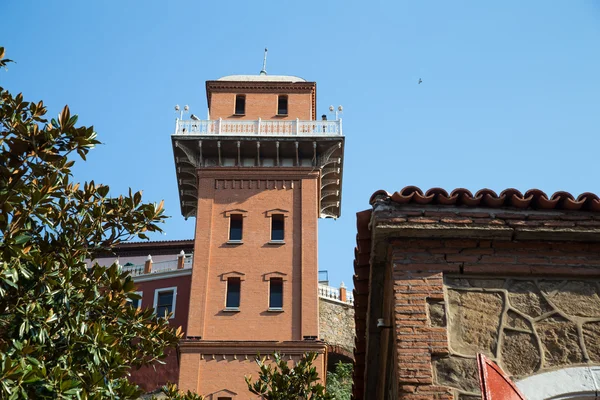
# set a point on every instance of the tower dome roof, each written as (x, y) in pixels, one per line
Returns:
(261, 78)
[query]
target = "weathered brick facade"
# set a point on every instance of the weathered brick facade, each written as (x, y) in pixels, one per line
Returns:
(515, 278)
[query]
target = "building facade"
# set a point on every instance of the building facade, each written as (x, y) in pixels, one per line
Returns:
(257, 176)
(441, 277)
(162, 274)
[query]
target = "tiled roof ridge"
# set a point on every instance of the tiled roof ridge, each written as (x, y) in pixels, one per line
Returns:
(533, 198)
(362, 266)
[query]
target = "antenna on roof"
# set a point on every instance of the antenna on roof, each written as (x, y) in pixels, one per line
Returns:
(264, 68)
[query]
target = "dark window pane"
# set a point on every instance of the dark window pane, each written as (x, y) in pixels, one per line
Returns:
(135, 303)
(240, 104)
(164, 303)
(276, 293)
(277, 227)
(282, 105)
(233, 293)
(235, 227)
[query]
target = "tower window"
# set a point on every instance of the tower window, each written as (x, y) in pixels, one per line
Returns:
(276, 293)
(233, 293)
(240, 104)
(282, 105)
(277, 225)
(235, 227)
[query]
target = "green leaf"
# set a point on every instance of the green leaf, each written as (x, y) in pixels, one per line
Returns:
(21, 239)
(69, 331)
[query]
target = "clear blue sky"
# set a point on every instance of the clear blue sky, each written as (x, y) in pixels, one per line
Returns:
(510, 94)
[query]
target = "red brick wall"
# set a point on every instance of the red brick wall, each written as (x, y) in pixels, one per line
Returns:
(261, 105)
(183, 296)
(152, 378)
(498, 257)
(255, 192)
(419, 267)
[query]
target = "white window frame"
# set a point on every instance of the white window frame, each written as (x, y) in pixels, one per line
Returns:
(141, 294)
(166, 289)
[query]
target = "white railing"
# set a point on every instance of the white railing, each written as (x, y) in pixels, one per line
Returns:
(134, 270)
(158, 267)
(164, 266)
(332, 293)
(259, 127)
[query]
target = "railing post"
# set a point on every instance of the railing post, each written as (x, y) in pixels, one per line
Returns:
(343, 296)
(148, 265)
(219, 126)
(258, 126)
(180, 260)
(297, 126)
(177, 126)
(340, 127)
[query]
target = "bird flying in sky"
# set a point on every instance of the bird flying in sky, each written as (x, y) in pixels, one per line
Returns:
(420, 81)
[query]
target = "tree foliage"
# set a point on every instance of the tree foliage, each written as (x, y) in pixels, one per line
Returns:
(172, 393)
(66, 330)
(278, 381)
(3, 61)
(339, 381)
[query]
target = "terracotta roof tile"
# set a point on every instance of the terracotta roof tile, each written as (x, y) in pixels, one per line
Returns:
(533, 199)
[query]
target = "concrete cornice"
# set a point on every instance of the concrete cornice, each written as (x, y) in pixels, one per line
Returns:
(250, 347)
(262, 173)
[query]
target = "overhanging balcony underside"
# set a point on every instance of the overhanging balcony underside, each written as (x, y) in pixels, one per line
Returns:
(324, 153)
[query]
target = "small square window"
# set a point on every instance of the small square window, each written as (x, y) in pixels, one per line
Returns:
(276, 293)
(277, 225)
(164, 302)
(233, 293)
(235, 227)
(282, 105)
(240, 104)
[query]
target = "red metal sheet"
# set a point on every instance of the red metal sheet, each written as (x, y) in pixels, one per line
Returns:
(495, 385)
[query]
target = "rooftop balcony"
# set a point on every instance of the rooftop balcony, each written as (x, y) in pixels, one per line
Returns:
(272, 143)
(179, 263)
(336, 294)
(258, 127)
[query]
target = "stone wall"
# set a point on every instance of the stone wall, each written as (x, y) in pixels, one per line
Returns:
(530, 306)
(526, 325)
(336, 324)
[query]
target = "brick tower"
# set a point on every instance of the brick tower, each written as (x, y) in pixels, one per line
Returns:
(256, 175)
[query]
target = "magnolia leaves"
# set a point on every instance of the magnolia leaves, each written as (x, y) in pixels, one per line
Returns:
(279, 381)
(66, 330)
